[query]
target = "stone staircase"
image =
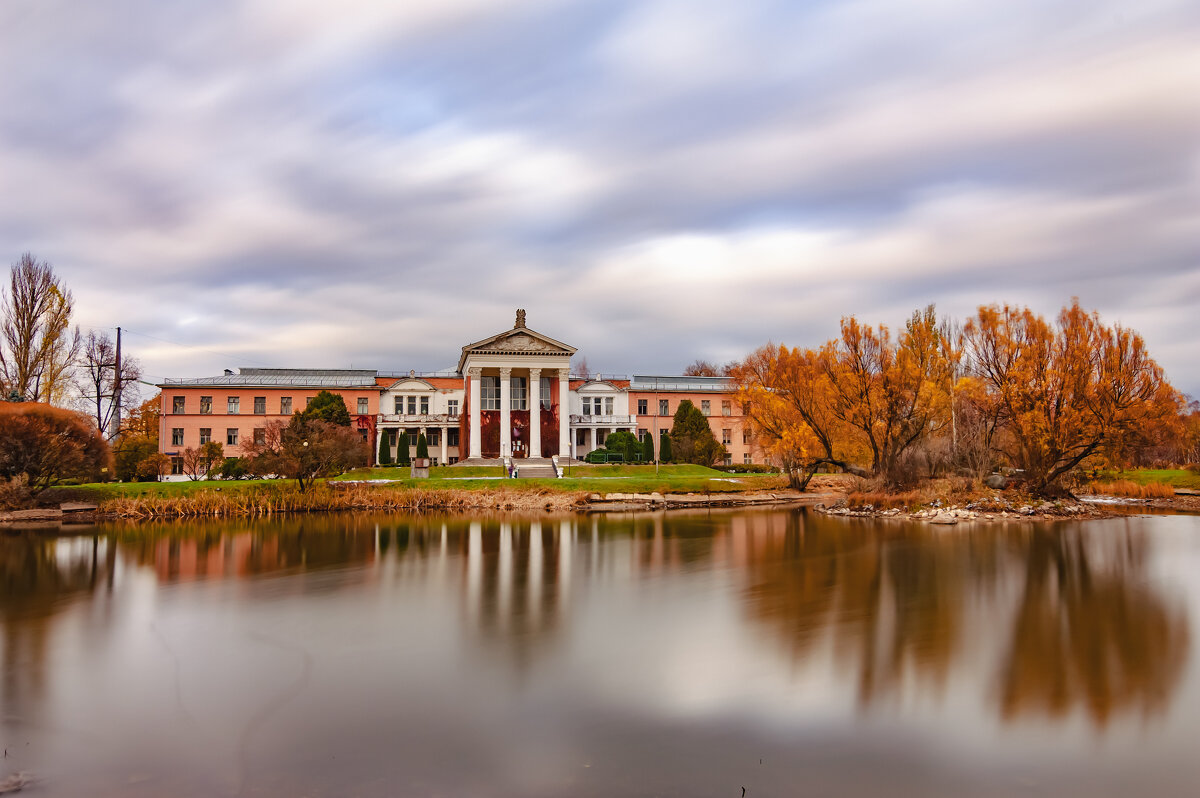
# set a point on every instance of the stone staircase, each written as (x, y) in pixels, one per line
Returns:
(535, 468)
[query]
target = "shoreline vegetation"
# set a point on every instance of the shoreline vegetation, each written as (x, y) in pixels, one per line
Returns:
(608, 489)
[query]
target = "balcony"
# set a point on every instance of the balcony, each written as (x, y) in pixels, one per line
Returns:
(418, 419)
(603, 421)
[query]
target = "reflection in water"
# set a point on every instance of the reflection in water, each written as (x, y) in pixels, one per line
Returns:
(1089, 631)
(1040, 623)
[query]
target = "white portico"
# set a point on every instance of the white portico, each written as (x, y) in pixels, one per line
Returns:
(517, 386)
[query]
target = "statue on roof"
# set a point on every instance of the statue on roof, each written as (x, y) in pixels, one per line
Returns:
(520, 319)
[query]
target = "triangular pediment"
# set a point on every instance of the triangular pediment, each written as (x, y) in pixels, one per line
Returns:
(517, 341)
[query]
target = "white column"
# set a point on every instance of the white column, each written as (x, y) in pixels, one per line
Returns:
(378, 443)
(535, 413)
(476, 426)
(564, 414)
(592, 438)
(445, 446)
(505, 412)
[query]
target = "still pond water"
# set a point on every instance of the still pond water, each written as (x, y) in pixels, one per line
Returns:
(694, 655)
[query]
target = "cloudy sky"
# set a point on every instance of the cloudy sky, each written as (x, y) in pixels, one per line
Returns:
(301, 183)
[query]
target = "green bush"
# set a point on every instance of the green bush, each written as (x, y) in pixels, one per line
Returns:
(385, 448)
(625, 444)
(232, 468)
(403, 457)
(692, 439)
(422, 446)
(648, 448)
(664, 448)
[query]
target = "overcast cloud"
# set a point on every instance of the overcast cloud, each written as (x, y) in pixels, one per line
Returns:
(295, 183)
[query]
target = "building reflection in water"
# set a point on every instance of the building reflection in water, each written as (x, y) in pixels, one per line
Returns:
(1041, 620)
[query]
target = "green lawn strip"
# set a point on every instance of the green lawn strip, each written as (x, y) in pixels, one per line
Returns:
(666, 482)
(1175, 477)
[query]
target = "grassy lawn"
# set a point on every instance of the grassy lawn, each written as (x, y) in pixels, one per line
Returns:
(112, 490)
(591, 479)
(1175, 477)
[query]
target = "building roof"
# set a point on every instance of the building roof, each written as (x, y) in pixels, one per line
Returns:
(642, 382)
(279, 378)
(519, 340)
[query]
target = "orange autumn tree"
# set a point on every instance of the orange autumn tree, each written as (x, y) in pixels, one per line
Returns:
(894, 395)
(788, 399)
(1065, 392)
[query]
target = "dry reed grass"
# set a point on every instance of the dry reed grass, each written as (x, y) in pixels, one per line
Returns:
(1130, 489)
(279, 500)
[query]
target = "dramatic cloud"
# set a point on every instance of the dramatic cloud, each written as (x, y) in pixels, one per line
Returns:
(377, 183)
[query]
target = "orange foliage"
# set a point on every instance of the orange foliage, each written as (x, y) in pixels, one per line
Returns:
(1066, 392)
(47, 444)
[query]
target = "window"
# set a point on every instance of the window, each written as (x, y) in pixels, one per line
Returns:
(706, 407)
(643, 407)
(726, 407)
(433, 459)
(424, 406)
(453, 460)
(608, 406)
(177, 466)
(233, 405)
(664, 407)
(435, 437)
(205, 435)
(362, 405)
(726, 436)
(728, 459)
(260, 405)
(177, 436)
(177, 404)
(544, 392)
(518, 389)
(452, 440)
(746, 437)
(412, 436)
(490, 388)
(580, 437)
(452, 406)
(231, 436)
(412, 405)
(285, 405)
(205, 405)
(746, 459)
(587, 405)
(308, 401)
(643, 434)
(398, 405)
(260, 435)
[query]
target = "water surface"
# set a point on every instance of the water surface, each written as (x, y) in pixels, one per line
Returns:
(779, 651)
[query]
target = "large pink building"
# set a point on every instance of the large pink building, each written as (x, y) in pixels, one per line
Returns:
(512, 395)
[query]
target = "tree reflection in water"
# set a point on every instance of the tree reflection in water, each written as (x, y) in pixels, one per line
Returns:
(1090, 632)
(1086, 630)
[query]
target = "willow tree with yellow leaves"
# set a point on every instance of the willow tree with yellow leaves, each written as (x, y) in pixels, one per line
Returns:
(1065, 392)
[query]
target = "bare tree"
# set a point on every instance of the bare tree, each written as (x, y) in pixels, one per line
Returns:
(97, 369)
(37, 345)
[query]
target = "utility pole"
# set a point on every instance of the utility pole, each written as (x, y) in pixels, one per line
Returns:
(114, 424)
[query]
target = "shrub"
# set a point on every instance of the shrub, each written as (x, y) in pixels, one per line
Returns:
(385, 449)
(48, 445)
(232, 468)
(422, 446)
(403, 441)
(692, 440)
(330, 407)
(625, 444)
(648, 448)
(665, 455)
